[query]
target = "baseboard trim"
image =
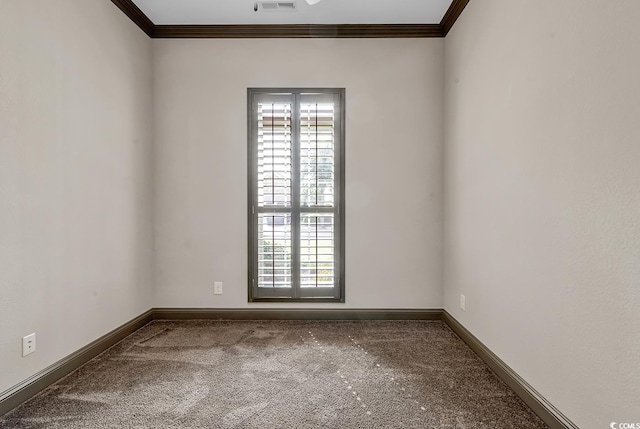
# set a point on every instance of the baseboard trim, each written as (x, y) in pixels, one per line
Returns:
(293, 314)
(21, 392)
(538, 403)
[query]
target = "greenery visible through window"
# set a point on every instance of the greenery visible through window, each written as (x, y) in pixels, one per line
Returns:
(296, 194)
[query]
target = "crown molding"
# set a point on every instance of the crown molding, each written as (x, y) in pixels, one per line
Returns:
(296, 31)
(452, 15)
(291, 31)
(136, 15)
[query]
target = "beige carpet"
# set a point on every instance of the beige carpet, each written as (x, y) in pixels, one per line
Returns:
(289, 374)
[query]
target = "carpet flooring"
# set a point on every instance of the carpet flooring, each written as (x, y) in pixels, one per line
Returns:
(281, 374)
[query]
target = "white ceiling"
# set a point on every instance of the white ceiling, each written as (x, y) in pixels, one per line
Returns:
(326, 12)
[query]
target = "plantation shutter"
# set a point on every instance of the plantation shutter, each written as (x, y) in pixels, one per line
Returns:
(295, 194)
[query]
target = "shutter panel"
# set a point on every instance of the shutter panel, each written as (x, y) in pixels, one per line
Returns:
(274, 154)
(317, 156)
(274, 191)
(317, 190)
(317, 250)
(274, 250)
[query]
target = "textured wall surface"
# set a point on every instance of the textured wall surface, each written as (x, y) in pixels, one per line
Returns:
(394, 91)
(542, 199)
(75, 177)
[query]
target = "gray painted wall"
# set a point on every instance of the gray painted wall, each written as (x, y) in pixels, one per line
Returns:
(542, 198)
(394, 98)
(75, 177)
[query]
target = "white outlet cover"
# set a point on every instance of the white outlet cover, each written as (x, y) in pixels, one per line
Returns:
(463, 302)
(217, 288)
(28, 344)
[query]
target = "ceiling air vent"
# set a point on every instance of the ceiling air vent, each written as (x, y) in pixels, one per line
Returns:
(276, 6)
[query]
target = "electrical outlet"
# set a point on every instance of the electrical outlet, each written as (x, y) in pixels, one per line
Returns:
(463, 302)
(217, 288)
(28, 344)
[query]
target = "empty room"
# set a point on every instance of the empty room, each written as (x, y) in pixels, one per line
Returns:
(320, 213)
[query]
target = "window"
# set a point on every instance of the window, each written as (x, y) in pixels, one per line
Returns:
(296, 194)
